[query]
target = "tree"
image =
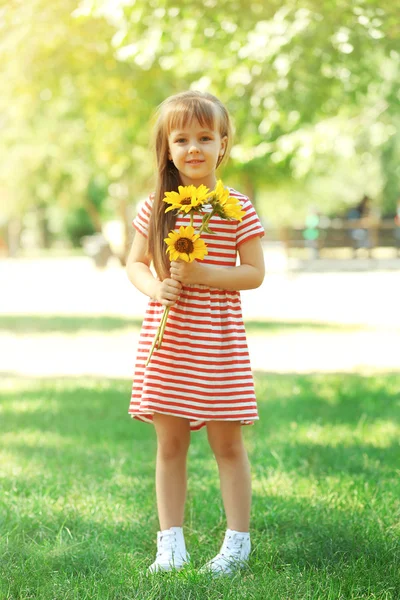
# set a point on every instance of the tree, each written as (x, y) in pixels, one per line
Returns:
(312, 88)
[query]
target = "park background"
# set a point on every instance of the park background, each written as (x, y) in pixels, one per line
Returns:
(313, 91)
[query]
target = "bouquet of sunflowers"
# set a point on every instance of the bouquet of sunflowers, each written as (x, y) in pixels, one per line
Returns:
(186, 244)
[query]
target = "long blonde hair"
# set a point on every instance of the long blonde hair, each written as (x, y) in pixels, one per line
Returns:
(176, 112)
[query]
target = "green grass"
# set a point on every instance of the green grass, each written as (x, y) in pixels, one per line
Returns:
(77, 504)
(51, 253)
(42, 324)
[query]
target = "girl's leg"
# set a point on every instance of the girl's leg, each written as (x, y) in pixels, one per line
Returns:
(173, 438)
(225, 438)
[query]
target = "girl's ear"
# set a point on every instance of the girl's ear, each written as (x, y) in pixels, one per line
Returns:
(224, 142)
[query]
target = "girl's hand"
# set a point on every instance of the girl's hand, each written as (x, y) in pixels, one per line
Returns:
(168, 292)
(186, 273)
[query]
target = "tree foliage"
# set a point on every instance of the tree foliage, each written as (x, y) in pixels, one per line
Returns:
(312, 87)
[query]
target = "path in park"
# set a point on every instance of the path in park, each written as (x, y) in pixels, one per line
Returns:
(73, 286)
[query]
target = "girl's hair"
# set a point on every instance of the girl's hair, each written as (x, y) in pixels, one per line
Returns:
(176, 112)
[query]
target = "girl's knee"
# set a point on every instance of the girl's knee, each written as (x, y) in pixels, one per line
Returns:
(172, 448)
(225, 439)
(226, 447)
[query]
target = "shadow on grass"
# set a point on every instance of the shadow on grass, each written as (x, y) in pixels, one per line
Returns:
(312, 423)
(295, 544)
(85, 490)
(38, 324)
(326, 398)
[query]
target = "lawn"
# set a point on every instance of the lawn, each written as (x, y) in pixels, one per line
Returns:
(77, 504)
(68, 325)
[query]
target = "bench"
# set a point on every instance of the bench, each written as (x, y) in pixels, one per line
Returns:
(340, 233)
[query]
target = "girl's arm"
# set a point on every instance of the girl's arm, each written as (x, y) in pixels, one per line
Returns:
(138, 269)
(248, 275)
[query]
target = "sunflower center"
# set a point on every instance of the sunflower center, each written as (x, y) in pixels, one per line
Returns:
(186, 201)
(184, 245)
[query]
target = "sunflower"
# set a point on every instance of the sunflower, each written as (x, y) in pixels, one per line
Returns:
(185, 244)
(232, 209)
(226, 206)
(187, 198)
(221, 192)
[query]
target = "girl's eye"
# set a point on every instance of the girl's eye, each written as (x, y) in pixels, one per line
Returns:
(205, 138)
(180, 141)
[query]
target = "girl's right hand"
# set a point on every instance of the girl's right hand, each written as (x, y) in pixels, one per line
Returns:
(168, 292)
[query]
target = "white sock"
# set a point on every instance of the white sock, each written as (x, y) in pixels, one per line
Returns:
(246, 533)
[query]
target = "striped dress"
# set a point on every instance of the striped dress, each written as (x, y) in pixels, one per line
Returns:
(202, 370)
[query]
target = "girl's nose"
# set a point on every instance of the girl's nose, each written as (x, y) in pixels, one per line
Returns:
(193, 149)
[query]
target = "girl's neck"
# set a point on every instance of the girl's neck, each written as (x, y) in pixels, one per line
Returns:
(210, 181)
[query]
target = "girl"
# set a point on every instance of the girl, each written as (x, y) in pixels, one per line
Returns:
(201, 375)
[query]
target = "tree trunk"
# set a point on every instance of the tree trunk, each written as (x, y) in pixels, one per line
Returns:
(249, 188)
(43, 226)
(14, 229)
(123, 209)
(95, 216)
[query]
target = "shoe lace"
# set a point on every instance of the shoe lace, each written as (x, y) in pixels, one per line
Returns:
(167, 542)
(233, 547)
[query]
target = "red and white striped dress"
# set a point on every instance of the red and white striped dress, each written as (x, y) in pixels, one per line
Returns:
(202, 370)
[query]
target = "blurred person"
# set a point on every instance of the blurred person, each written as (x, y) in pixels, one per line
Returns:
(201, 375)
(362, 213)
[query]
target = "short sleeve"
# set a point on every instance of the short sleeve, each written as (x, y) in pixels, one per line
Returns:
(142, 219)
(250, 226)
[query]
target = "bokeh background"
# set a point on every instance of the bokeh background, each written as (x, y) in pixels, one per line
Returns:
(313, 90)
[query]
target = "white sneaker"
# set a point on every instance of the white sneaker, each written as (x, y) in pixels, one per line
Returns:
(233, 555)
(171, 551)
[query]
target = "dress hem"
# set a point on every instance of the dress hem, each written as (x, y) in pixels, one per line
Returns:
(145, 417)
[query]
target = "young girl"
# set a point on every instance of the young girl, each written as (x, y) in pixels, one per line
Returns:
(201, 375)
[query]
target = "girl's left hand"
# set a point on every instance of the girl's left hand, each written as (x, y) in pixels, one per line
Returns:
(186, 273)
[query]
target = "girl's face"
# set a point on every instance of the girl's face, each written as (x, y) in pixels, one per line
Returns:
(195, 151)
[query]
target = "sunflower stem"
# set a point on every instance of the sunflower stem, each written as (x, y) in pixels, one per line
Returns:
(159, 335)
(191, 218)
(153, 346)
(205, 222)
(162, 326)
